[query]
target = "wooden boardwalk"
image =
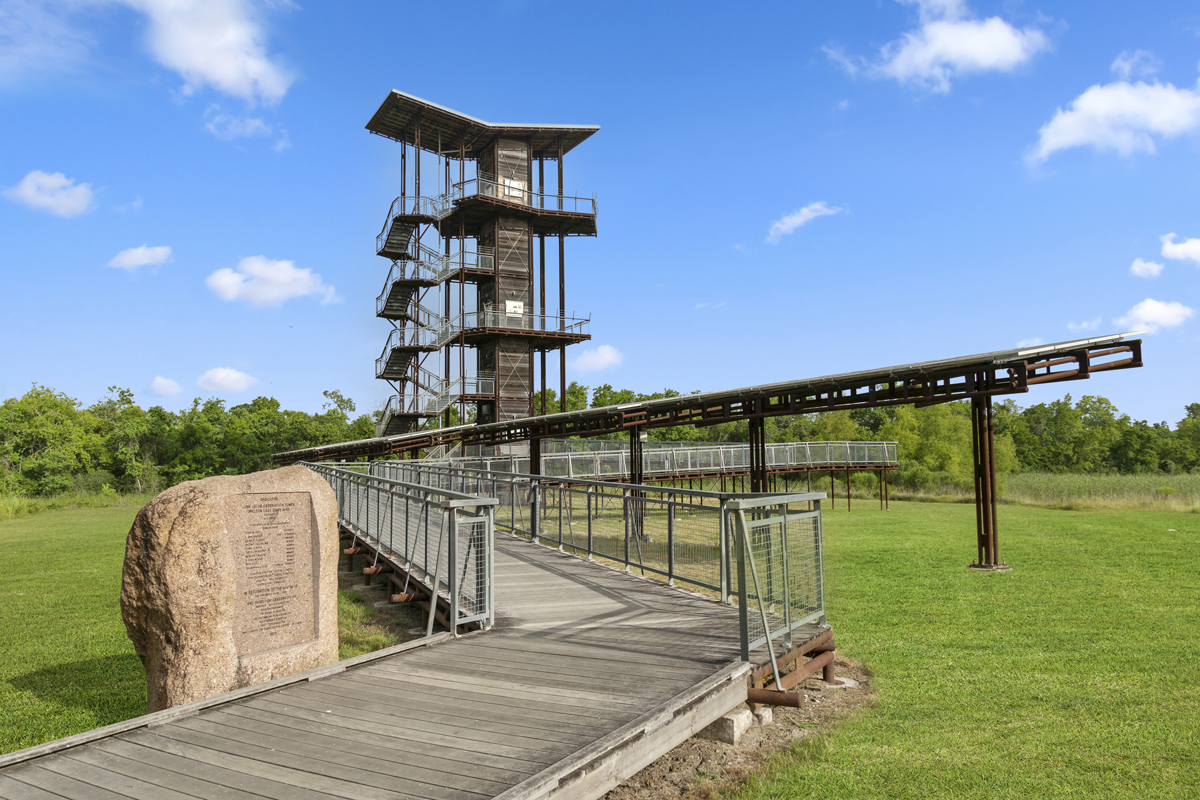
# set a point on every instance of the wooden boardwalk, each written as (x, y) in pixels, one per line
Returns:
(589, 675)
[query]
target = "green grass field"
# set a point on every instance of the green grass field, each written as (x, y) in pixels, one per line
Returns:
(1076, 675)
(66, 665)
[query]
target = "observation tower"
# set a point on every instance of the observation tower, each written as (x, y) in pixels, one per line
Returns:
(462, 248)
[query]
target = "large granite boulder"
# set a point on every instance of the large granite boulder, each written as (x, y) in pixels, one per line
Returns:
(231, 581)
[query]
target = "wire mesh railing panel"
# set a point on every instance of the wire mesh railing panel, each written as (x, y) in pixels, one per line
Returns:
(436, 535)
(780, 570)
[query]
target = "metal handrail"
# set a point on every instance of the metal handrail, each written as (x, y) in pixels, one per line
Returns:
(436, 399)
(677, 458)
(515, 191)
(440, 539)
(490, 318)
(662, 531)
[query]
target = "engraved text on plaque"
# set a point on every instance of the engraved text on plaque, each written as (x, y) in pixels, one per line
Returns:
(274, 539)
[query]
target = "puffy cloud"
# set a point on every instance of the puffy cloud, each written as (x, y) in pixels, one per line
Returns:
(1187, 250)
(602, 357)
(1145, 269)
(1123, 117)
(225, 379)
(164, 387)
(801, 216)
(1029, 342)
(142, 256)
(262, 281)
(1086, 325)
(1155, 314)
(218, 43)
(949, 42)
(56, 194)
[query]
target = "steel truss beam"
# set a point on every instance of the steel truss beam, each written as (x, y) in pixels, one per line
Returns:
(919, 385)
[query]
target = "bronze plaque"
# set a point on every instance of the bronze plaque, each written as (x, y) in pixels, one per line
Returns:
(276, 549)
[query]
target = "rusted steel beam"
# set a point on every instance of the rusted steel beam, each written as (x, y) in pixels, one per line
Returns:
(771, 697)
(819, 644)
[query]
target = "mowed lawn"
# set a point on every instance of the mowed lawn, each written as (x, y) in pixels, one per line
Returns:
(65, 663)
(1075, 675)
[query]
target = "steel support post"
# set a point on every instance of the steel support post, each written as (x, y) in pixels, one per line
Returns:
(983, 447)
(758, 455)
(535, 468)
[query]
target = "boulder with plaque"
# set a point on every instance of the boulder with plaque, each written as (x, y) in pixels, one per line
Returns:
(231, 581)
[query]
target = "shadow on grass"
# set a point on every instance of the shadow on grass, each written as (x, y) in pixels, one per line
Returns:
(111, 688)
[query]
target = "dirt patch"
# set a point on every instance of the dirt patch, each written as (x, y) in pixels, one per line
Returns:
(700, 768)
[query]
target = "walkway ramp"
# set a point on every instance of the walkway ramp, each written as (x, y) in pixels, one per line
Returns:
(590, 674)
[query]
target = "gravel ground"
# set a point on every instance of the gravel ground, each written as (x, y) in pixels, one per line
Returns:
(699, 768)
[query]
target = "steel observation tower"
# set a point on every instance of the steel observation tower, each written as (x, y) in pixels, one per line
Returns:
(462, 249)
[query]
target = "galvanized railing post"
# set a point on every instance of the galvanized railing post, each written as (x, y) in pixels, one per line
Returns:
(625, 509)
(590, 549)
(670, 541)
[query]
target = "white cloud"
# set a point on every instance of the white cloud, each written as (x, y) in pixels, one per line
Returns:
(56, 194)
(1187, 250)
(37, 37)
(711, 305)
(602, 357)
(1145, 269)
(950, 42)
(262, 281)
(1123, 117)
(1135, 64)
(218, 43)
(789, 222)
(142, 256)
(227, 126)
(1029, 343)
(1155, 314)
(224, 379)
(1086, 325)
(164, 387)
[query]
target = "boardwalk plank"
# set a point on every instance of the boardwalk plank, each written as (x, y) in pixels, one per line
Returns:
(351, 734)
(196, 768)
(483, 723)
(501, 719)
(431, 731)
(300, 784)
(12, 789)
(112, 781)
(155, 775)
(62, 785)
(372, 758)
(323, 775)
(554, 708)
(499, 682)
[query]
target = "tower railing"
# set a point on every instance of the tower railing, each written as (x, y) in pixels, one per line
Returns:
(515, 191)
(433, 399)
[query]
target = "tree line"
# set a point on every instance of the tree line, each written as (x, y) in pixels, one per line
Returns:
(51, 443)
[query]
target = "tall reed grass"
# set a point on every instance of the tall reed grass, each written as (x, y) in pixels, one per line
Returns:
(13, 505)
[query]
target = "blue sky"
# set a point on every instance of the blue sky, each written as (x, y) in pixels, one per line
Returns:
(189, 199)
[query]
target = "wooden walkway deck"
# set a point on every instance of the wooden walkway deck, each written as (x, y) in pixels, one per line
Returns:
(589, 675)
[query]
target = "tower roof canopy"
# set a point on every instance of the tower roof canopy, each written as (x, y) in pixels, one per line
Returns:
(399, 114)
